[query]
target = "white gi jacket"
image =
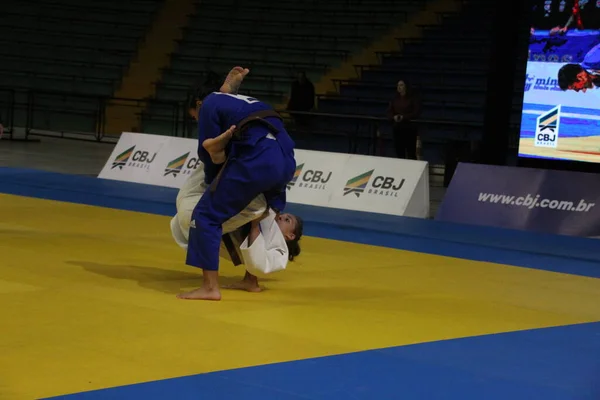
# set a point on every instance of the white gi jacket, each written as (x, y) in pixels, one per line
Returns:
(268, 253)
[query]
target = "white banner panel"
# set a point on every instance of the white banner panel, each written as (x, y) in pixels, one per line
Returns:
(175, 162)
(134, 158)
(351, 182)
(381, 185)
(317, 176)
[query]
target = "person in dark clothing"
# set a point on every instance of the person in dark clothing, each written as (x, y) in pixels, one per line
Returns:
(302, 98)
(402, 110)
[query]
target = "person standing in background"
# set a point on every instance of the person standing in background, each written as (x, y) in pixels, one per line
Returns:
(302, 98)
(402, 110)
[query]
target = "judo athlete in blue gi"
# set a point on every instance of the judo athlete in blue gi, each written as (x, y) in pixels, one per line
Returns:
(259, 160)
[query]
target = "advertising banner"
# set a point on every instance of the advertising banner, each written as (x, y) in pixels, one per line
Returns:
(335, 180)
(559, 202)
(384, 185)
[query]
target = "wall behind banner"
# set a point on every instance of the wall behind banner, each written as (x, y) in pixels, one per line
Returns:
(334, 180)
(562, 124)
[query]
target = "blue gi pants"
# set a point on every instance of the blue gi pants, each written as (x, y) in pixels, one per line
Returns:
(250, 171)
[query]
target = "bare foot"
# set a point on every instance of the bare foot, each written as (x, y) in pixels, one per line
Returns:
(234, 80)
(249, 283)
(245, 285)
(216, 146)
(201, 294)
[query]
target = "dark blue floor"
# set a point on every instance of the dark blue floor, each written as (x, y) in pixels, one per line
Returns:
(544, 364)
(554, 363)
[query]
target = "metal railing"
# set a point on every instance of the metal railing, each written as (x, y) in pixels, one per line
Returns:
(88, 117)
(97, 118)
(369, 134)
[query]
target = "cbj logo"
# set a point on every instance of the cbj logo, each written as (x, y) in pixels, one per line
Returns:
(142, 159)
(546, 133)
(380, 185)
(386, 186)
(134, 158)
(193, 163)
(182, 165)
(314, 179)
(310, 178)
(387, 183)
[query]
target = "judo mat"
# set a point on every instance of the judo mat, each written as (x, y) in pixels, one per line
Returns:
(376, 307)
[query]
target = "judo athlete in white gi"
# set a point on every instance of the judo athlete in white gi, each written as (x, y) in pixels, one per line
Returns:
(240, 164)
(265, 252)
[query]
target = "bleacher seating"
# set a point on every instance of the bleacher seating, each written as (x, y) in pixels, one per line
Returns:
(65, 42)
(275, 39)
(63, 45)
(448, 67)
(69, 46)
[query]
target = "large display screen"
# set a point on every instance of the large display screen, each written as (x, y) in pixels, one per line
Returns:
(561, 104)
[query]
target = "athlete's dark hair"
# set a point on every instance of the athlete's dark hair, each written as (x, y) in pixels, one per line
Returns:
(294, 244)
(212, 83)
(567, 75)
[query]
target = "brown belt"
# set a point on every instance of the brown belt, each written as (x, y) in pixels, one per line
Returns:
(255, 118)
(232, 249)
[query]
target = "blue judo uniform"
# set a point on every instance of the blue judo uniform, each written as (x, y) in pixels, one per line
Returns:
(260, 162)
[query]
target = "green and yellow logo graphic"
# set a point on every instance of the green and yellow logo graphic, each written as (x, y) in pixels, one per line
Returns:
(122, 159)
(296, 176)
(358, 184)
(175, 166)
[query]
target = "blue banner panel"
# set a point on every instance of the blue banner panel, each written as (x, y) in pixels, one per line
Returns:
(559, 202)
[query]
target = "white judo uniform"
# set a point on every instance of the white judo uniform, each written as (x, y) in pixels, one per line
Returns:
(267, 254)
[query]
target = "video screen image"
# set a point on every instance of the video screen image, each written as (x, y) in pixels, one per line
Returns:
(561, 104)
